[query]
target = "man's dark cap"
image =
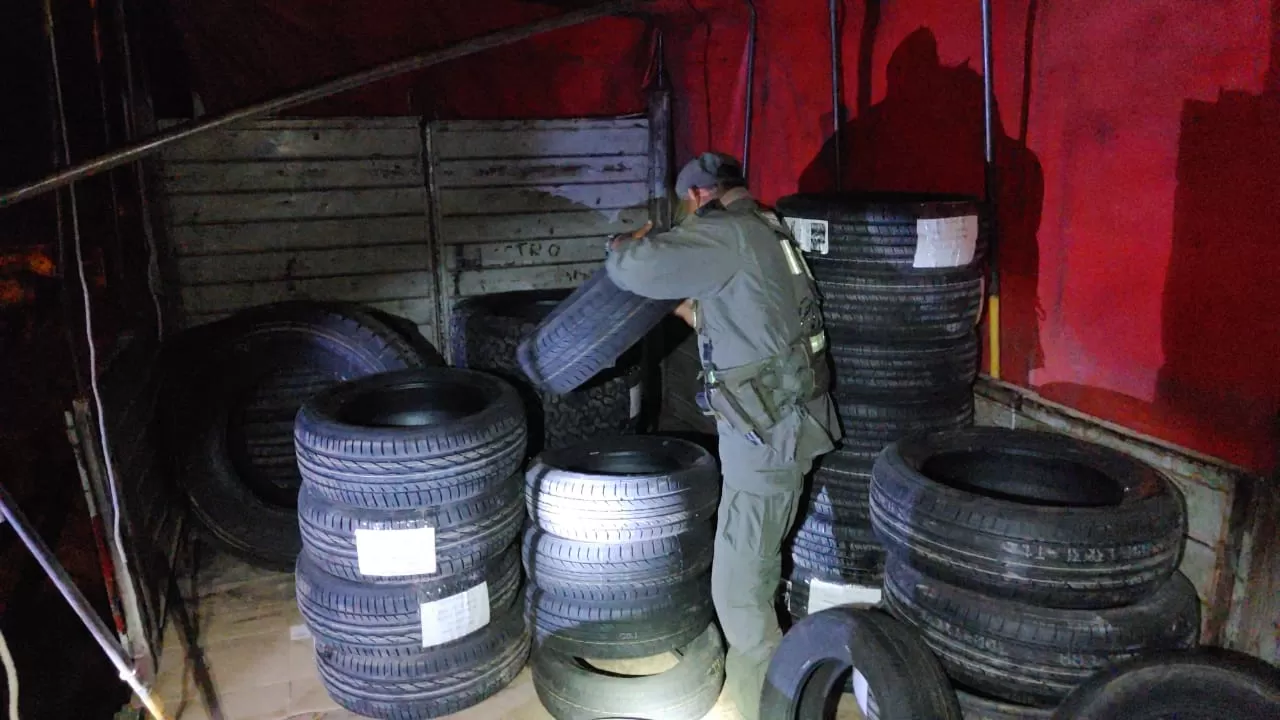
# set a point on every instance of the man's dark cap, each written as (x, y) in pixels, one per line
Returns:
(707, 171)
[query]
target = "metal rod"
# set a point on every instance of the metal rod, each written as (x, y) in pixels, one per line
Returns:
(989, 97)
(151, 145)
(74, 597)
(989, 181)
(838, 160)
(751, 81)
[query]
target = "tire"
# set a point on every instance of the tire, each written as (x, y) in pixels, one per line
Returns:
(465, 533)
(587, 333)
(486, 331)
(386, 618)
(627, 571)
(620, 628)
(1032, 655)
(976, 707)
(624, 489)
(428, 685)
(804, 587)
(984, 509)
(571, 690)
(840, 488)
(849, 554)
(899, 370)
(890, 309)
(1204, 684)
(879, 231)
(237, 475)
(411, 439)
(870, 426)
(810, 669)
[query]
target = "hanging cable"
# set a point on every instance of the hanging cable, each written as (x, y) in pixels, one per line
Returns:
(117, 537)
(11, 675)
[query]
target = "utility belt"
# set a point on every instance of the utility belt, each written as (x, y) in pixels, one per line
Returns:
(754, 398)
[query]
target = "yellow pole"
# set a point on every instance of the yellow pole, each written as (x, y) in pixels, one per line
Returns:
(993, 334)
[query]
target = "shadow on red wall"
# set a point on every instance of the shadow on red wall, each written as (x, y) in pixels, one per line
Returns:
(926, 135)
(1221, 319)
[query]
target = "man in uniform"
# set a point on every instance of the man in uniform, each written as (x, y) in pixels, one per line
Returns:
(752, 301)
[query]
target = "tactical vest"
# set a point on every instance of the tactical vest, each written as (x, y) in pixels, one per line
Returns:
(753, 398)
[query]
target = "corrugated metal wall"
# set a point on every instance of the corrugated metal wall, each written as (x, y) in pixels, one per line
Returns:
(332, 209)
(523, 205)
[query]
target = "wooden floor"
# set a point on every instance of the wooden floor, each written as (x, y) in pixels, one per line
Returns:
(252, 658)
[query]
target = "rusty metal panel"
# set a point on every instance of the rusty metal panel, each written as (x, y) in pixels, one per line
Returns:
(329, 209)
(524, 205)
(1211, 488)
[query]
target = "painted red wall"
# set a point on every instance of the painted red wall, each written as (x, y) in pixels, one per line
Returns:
(1138, 147)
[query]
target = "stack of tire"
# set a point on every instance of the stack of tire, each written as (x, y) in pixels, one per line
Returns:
(1030, 561)
(485, 333)
(410, 510)
(618, 556)
(901, 290)
(235, 387)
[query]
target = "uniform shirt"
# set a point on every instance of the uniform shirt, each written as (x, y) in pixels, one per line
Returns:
(730, 261)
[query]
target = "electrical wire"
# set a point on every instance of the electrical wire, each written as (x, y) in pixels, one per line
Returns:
(11, 675)
(117, 537)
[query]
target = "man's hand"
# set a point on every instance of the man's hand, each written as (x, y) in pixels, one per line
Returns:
(636, 235)
(685, 312)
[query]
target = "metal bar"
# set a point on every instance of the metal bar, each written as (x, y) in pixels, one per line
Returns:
(838, 160)
(989, 180)
(153, 144)
(101, 633)
(751, 81)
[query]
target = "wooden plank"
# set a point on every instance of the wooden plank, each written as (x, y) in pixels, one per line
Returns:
(267, 266)
(256, 207)
(301, 235)
(283, 143)
(540, 171)
(626, 122)
(292, 175)
(397, 122)
(568, 142)
(541, 277)
(533, 252)
(543, 198)
(459, 230)
(419, 311)
(209, 299)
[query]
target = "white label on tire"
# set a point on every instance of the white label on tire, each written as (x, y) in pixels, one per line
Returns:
(450, 618)
(810, 235)
(636, 394)
(861, 692)
(945, 242)
(383, 552)
(823, 595)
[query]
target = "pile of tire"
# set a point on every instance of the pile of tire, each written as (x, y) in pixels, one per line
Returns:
(485, 332)
(895, 676)
(901, 290)
(235, 387)
(410, 511)
(1030, 561)
(618, 557)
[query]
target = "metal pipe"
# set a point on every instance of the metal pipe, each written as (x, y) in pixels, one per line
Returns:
(989, 179)
(838, 162)
(751, 81)
(153, 144)
(74, 597)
